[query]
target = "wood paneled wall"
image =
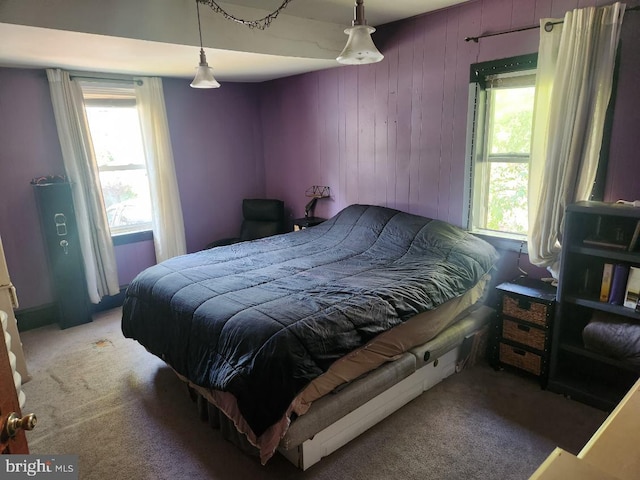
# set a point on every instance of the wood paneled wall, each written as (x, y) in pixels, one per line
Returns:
(394, 133)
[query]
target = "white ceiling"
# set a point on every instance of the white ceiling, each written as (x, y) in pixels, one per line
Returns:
(160, 37)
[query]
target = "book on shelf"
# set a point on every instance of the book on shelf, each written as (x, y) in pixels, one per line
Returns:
(605, 285)
(632, 292)
(618, 284)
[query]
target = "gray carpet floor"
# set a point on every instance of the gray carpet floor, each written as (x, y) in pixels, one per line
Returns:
(127, 416)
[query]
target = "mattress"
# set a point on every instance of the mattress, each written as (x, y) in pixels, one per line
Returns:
(389, 345)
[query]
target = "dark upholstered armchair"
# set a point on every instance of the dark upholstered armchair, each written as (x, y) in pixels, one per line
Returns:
(261, 218)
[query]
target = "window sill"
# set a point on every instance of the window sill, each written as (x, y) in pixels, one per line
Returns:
(504, 241)
(135, 237)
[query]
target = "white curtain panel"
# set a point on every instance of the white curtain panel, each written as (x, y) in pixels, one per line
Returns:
(168, 224)
(573, 87)
(81, 169)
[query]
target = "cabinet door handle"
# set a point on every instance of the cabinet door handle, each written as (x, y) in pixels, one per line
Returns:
(524, 328)
(524, 304)
(517, 351)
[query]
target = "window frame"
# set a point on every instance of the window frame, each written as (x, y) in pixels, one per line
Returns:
(145, 233)
(475, 145)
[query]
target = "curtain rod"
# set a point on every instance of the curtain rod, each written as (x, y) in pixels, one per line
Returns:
(107, 79)
(547, 26)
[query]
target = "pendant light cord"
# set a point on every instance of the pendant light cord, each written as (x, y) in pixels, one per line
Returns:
(259, 24)
(199, 28)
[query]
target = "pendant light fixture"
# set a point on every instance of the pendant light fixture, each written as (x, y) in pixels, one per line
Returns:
(359, 49)
(204, 73)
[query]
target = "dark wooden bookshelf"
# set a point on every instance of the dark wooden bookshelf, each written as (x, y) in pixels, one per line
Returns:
(585, 375)
(578, 349)
(595, 304)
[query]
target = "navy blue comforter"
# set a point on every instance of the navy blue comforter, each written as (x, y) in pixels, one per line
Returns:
(262, 319)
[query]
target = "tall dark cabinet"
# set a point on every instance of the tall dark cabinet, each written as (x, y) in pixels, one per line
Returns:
(595, 234)
(60, 232)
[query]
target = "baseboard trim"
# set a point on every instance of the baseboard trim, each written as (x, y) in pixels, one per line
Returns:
(109, 302)
(36, 317)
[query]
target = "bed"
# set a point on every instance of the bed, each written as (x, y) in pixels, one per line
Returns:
(277, 331)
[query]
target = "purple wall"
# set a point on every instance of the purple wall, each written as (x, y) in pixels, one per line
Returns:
(623, 182)
(394, 133)
(217, 150)
(29, 148)
(390, 134)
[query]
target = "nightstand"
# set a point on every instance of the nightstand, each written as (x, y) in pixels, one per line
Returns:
(305, 222)
(523, 331)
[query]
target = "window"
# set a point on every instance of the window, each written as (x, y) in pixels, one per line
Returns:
(117, 142)
(501, 115)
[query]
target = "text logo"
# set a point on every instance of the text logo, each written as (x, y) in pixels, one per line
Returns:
(51, 467)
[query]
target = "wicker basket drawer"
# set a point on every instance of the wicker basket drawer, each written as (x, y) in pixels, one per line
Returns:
(521, 359)
(525, 310)
(524, 334)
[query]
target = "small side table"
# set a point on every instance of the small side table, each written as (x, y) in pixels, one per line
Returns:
(523, 331)
(305, 222)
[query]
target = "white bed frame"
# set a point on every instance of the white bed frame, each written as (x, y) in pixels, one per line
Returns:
(375, 410)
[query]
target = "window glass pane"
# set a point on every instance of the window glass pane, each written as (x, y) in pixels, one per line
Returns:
(115, 132)
(126, 197)
(507, 203)
(511, 120)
